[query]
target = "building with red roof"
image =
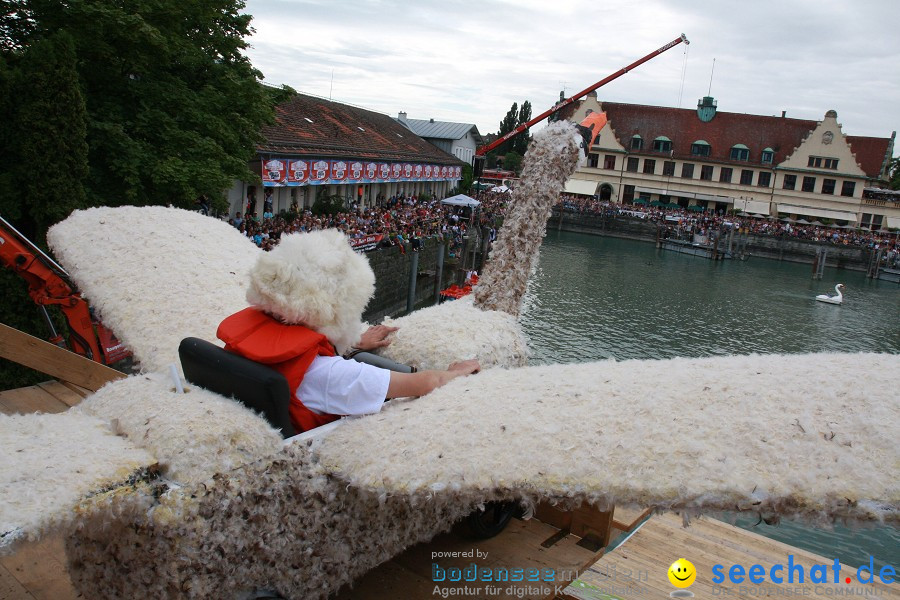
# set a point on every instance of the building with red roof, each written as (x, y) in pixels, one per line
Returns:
(706, 159)
(317, 146)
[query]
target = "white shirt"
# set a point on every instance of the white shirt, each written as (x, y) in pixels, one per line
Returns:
(336, 386)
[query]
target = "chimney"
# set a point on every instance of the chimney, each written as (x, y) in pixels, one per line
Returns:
(783, 113)
(431, 120)
(401, 116)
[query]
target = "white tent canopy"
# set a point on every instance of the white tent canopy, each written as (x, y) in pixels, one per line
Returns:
(460, 200)
(500, 188)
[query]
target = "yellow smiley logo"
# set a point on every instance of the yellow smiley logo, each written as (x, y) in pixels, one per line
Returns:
(682, 573)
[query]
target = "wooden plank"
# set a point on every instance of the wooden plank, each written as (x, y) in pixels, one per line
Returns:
(30, 400)
(61, 392)
(83, 392)
(519, 546)
(40, 567)
(54, 361)
(10, 588)
(627, 519)
(638, 568)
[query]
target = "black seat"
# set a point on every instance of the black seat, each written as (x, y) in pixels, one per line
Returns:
(255, 385)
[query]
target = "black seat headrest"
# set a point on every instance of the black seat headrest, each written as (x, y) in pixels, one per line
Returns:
(255, 385)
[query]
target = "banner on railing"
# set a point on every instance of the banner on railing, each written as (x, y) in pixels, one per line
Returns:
(366, 243)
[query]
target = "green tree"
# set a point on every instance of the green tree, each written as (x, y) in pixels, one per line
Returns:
(465, 181)
(174, 107)
(508, 123)
(520, 142)
(512, 161)
(44, 150)
(894, 183)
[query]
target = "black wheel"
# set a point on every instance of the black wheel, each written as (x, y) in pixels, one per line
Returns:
(484, 524)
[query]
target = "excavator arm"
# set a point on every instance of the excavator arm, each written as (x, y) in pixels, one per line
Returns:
(49, 285)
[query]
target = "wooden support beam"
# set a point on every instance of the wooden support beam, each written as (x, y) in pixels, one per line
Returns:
(57, 362)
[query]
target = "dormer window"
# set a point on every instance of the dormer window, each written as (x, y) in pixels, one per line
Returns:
(636, 142)
(701, 148)
(662, 144)
(740, 152)
(767, 157)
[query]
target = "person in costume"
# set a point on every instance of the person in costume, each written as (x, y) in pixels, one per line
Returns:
(307, 296)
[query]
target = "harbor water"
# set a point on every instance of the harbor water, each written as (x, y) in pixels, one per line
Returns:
(595, 298)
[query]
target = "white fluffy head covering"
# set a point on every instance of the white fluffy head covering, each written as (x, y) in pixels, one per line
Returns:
(317, 280)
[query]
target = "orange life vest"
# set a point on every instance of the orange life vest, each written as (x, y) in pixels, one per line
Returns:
(289, 349)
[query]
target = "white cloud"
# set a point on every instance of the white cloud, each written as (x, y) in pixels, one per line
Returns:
(468, 60)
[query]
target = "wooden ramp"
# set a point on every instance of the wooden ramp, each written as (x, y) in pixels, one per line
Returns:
(637, 570)
(556, 546)
(37, 571)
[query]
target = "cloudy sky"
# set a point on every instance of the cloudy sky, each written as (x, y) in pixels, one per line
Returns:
(468, 61)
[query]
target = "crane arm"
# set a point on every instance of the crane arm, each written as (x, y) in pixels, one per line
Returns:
(564, 103)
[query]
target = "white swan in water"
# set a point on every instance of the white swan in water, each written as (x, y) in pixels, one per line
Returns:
(832, 299)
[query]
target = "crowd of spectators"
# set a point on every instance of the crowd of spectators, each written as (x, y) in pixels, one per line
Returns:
(702, 222)
(400, 220)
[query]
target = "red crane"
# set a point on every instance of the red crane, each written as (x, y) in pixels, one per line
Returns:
(481, 151)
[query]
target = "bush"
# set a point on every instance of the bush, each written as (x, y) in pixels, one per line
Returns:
(328, 205)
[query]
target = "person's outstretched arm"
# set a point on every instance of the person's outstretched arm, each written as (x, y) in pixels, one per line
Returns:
(404, 385)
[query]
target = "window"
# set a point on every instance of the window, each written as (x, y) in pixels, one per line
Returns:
(725, 175)
(628, 194)
(669, 168)
(848, 188)
(637, 143)
(767, 156)
(746, 177)
(687, 171)
(876, 222)
(866, 218)
(700, 148)
(790, 182)
(593, 159)
(740, 152)
(632, 165)
(662, 144)
(609, 162)
(809, 184)
(828, 186)
(764, 179)
(706, 172)
(649, 166)
(820, 162)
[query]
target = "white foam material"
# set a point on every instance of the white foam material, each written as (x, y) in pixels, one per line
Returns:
(155, 275)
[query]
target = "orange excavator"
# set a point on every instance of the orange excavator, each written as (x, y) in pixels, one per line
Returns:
(49, 285)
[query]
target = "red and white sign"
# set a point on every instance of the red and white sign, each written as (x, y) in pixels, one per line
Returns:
(338, 170)
(298, 171)
(320, 169)
(366, 243)
(371, 170)
(407, 171)
(395, 170)
(417, 172)
(274, 171)
(443, 172)
(427, 171)
(356, 170)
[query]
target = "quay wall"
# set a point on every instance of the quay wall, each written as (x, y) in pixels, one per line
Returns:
(758, 246)
(392, 270)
